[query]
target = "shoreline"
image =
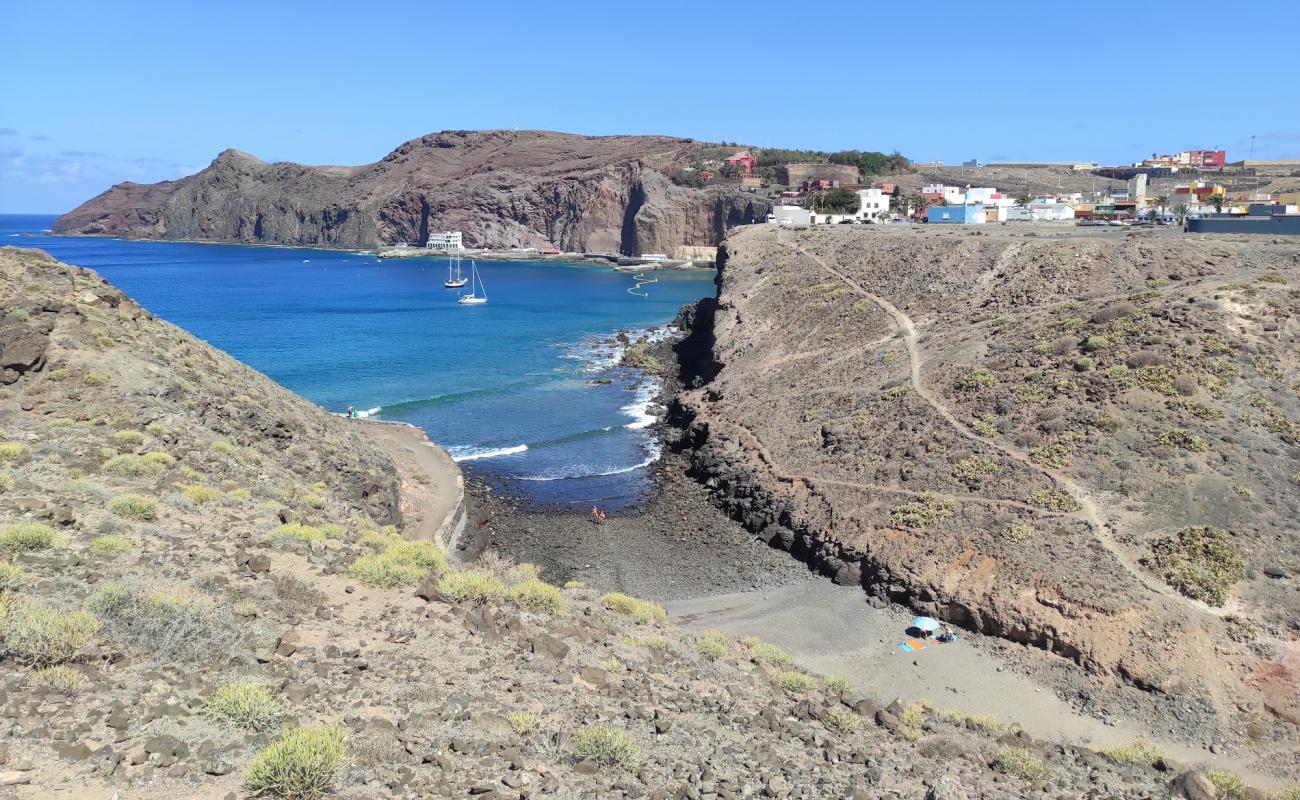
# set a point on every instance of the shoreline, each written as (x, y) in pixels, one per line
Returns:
(571, 259)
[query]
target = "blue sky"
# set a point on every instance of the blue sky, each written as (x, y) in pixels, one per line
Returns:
(98, 93)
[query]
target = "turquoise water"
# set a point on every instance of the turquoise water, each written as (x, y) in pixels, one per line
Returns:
(514, 387)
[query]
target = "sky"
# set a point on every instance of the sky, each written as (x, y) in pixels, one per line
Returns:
(96, 93)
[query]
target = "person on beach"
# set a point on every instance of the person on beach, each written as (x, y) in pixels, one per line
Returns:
(595, 515)
(602, 517)
(352, 412)
(948, 635)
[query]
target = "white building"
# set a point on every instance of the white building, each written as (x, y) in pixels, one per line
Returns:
(873, 204)
(790, 215)
(953, 195)
(445, 240)
(1042, 209)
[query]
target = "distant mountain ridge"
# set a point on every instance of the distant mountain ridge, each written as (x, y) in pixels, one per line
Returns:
(501, 188)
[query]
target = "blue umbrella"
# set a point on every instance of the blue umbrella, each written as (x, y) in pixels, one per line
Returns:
(926, 624)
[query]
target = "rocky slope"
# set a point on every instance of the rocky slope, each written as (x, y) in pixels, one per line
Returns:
(1087, 444)
(501, 188)
(164, 631)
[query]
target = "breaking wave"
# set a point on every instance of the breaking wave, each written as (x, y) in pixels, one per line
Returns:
(471, 453)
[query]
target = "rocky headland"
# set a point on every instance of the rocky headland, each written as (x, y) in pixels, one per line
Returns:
(502, 189)
(1088, 445)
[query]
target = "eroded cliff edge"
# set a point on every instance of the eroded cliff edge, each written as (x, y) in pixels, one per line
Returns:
(500, 188)
(1003, 431)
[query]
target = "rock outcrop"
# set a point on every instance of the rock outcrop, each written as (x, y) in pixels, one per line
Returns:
(1006, 433)
(501, 188)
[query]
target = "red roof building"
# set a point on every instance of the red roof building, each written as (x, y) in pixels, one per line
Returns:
(742, 158)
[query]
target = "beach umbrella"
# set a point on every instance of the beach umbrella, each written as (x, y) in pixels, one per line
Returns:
(926, 624)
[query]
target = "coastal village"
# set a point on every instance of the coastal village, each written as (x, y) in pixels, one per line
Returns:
(1199, 190)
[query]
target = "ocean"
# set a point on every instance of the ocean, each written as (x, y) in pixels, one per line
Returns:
(525, 390)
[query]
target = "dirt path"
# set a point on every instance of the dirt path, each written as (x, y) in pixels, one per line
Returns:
(833, 630)
(1090, 509)
(433, 490)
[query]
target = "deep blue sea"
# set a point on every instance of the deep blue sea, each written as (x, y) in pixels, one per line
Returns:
(513, 387)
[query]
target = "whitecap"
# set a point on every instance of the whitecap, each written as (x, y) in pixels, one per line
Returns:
(471, 453)
(370, 412)
(639, 409)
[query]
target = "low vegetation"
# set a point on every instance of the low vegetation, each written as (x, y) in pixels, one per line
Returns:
(1137, 752)
(1022, 763)
(296, 532)
(302, 763)
(639, 610)
(398, 563)
(59, 678)
(1200, 562)
(243, 705)
(606, 745)
(796, 682)
(134, 506)
(1053, 500)
(534, 594)
(769, 655)
(471, 586)
(11, 451)
(923, 512)
(35, 634)
(27, 537)
(170, 626)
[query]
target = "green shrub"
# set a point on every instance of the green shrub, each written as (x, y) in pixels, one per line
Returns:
(382, 572)
(159, 458)
(134, 506)
(6, 481)
(769, 655)
(606, 745)
(129, 438)
(109, 543)
(199, 494)
(974, 467)
(95, 379)
(332, 530)
(1084, 364)
(133, 466)
(11, 576)
(60, 678)
(18, 315)
(836, 684)
(1228, 785)
(537, 595)
(224, 446)
(27, 537)
(924, 511)
(839, 718)
(522, 721)
(243, 705)
(1016, 532)
(313, 501)
(1137, 752)
(11, 451)
(421, 553)
(1021, 763)
(472, 585)
(977, 379)
(1183, 439)
(714, 644)
(377, 539)
(40, 636)
(1094, 343)
(639, 610)
(300, 764)
(581, 585)
(402, 563)
(795, 682)
(1200, 562)
(295, 532)
(1053, 500)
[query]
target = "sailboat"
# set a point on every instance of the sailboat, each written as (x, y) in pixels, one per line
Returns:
(457, 281)
(476, 283)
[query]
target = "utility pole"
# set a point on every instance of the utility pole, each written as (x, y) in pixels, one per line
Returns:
(1252, 147)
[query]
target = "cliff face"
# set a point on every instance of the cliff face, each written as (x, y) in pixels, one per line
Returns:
(1017, 435)
(501, 188)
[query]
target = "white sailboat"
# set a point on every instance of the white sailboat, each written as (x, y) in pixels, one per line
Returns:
(476, 283)
(457, 280)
